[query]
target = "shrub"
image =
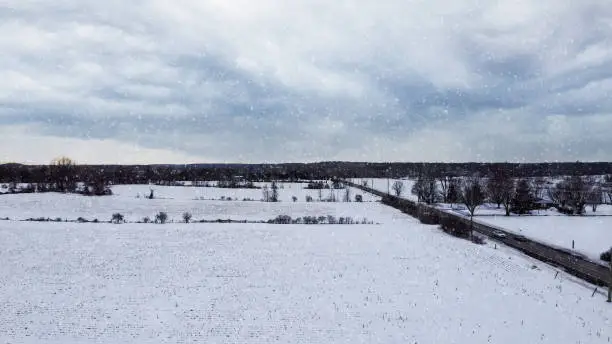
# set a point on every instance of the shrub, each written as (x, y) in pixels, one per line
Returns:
(358, 198)
(187, 217)
(146, 219)
(605, 256)
(308, 198)
(95, 221)
(58, 219)
(82, 219)
(294, 199)
(281, 219)
(476, 239)
(117, 218)
(161, 217)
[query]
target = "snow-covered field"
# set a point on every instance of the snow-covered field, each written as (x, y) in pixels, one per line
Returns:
(591, 235)
(131, 201)
(403, 282)
(493, 210)
(397, 282)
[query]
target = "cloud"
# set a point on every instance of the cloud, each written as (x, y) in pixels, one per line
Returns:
(245, 81)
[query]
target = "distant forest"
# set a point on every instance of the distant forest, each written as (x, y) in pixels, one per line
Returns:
(141, 174)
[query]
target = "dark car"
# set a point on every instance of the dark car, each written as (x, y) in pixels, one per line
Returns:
(520, 238)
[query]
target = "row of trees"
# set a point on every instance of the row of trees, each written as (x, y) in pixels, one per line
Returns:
(570, 195)
(147, 174)
(63, 175)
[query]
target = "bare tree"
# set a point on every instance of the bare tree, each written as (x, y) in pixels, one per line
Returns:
(161, 217)
(265, 193)
(274, 194)
(347, 194)
(472, 196)
(187, 217)
(453, 194)
(572, 193)
(426, 190)
(398, 187)
(607, 187)
(447, 183)
(117, 218)
(495, 188)
(63, 174)
(508, 192)
(332, 195)
(539, 186)
(595, 197)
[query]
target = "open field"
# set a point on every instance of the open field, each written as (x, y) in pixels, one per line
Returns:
(220, 283)
(131, 201)
(399, 281)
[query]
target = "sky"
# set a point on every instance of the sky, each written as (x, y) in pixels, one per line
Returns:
(242, 81)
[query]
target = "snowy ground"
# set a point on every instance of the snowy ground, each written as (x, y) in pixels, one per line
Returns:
(591, 235)
(403, 282)
(400, 281)
(130, 201)
(493, 210)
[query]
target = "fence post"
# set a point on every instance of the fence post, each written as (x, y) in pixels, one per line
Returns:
(610, 282)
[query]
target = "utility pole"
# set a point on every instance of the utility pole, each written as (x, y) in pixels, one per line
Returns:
(610, 283)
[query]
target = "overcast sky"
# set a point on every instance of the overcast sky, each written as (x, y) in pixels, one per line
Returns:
(181, 81)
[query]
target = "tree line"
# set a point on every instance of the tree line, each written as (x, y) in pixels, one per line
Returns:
(570, 195)
(144, 174)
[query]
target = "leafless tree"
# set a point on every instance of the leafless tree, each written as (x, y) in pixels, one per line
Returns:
(161, 217)
(274, 193)
(499, 187)
(265, 191)
(607, 187)
(63, 174)
(472, 196)
(539, 186)
(572, 192)
(448, 186)
(595, 197)
(347, 194)
(398, 187)
(426, 189)
(117, 218)
(187, 217)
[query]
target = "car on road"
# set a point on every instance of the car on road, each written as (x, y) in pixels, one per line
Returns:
(499, 234)
(519, 237)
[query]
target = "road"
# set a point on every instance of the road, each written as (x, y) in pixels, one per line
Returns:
(572, 263)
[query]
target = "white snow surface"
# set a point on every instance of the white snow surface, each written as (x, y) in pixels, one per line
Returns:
(400, 282)
(131, 201)
(591, 235)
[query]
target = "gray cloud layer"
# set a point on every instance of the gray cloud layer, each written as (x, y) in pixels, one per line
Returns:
(270, 80)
